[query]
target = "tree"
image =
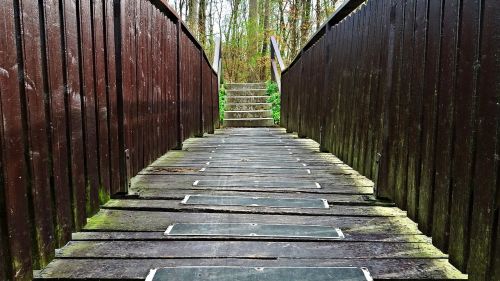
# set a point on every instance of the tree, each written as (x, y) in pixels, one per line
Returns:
(265, 42)
(192, 16)
(202, 18)
(305, 26)
(245, 27)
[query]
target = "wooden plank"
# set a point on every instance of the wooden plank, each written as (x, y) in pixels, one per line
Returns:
(416, 106)
(74, 113)
(112, 98)
(159, 236)
(90, 121)
(486, 177)
(137, 269)
(102, 112)
(445, 123)
(247, 249)
(406, 85)
(426, 190)
(15, 229)
(464, 132)
(58, 151)
(342, 208)
(34, 84)
(120, 220)
(333, 199)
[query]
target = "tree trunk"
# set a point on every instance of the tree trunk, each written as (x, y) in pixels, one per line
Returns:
(202, 29)
(293, 21)
(319, 17)
(265, 41)
(305, 26)
(192, 16)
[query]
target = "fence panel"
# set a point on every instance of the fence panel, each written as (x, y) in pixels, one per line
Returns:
(406, 92)
(89, 95)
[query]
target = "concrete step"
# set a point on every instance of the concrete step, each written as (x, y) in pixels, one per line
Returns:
(248, 114)
(249, 122)
(235, 86)
(247, 106)
(246, 99)
(246, 92)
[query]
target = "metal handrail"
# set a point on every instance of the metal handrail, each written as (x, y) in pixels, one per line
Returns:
(276, 56)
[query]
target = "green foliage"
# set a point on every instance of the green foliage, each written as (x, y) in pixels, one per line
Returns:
(274, 99)
(222, 102)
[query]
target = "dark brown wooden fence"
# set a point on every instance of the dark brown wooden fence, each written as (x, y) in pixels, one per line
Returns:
(408, 93)
(90, 93)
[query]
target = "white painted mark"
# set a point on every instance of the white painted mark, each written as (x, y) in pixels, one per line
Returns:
(325, 203)
(186, 198)
(367, 274)
(339, 232)
(317, 185)
(167, 232)
(151, 274)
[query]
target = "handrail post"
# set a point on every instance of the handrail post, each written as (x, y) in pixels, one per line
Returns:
(275, 62)
(217, 66)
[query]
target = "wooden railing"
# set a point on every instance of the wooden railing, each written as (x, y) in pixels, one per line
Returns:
(277, 65)
(407, 93)
(217, 64)
(90, 93)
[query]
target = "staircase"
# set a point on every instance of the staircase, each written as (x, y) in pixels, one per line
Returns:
(247, 106)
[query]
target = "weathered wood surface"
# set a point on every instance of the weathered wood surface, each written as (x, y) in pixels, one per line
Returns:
(88, 97)
(408, 96)
(125, 239)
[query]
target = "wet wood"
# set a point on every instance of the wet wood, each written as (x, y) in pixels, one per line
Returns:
(70, 114)
(484, 221)
(342, 209)
(152, 236)
(247, 249)
(137, 269)
(131, 228)
(14, 185)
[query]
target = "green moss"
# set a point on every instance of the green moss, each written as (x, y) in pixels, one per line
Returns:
(88, 205)
(101, 220)
(103, 195)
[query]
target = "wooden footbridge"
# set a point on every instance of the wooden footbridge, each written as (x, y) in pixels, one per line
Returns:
(114, 165)
(239, 181)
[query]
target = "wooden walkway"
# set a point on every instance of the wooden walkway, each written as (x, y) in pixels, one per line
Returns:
(126, 238)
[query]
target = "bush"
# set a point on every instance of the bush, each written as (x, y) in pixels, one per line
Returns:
(222, 103)
(275, 100)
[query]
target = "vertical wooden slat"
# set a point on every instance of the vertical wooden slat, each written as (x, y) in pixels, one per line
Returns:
(17, 251)
(112, 98)
(33, 94)
(426, 188)
(414, 126)
(88, 91)
(464, 133)
(75, 142)
(486, 178)
(444, 153)
(55, 102)
(4, 246)
(101, 99)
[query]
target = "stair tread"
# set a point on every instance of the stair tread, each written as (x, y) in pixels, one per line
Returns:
(247, 119)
